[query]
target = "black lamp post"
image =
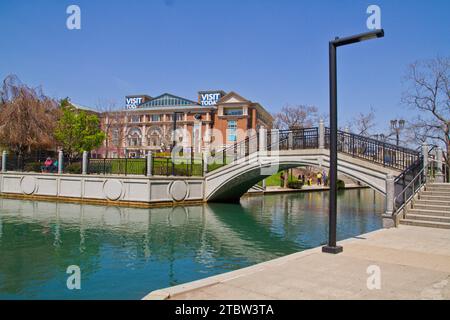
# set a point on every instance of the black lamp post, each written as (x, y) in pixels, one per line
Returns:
(397, 126)
(331, 247)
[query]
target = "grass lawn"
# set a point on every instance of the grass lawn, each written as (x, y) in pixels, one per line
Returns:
(161, 166)
(275, 180)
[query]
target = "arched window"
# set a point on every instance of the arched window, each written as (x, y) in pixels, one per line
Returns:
(154, 137)
(134, 137)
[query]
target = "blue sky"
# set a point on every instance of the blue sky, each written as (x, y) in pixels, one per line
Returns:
(273, 52)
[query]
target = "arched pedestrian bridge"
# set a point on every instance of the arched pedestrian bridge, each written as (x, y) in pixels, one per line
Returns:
(235, 169)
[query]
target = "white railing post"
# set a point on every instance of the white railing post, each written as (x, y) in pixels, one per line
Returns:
(4, 155)
(290, 140)
(60, 161)
(321, 134)
(262, 139)
(84, 163)
(425, 151)
(149, 163)
(274, 140)
(439, 158)
(388, 217)
(205, 163)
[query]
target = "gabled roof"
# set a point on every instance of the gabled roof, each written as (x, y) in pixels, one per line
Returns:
(230, 95)
(167, 100)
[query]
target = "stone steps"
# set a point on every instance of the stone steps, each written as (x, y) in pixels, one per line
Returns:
(433, 198)
(426, 212)
(436, 202)
(431, 208)
(422, 223)
(436, 193)
(429, 218)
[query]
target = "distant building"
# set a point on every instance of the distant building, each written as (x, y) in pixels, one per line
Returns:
(215, 120)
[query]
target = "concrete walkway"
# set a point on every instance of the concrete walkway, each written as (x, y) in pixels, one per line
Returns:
(413, 263)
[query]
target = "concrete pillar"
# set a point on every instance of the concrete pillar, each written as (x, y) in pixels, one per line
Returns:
(205, 162)
(290, 140)
(4, 155)
(321, 134)
(274, 140)
(439, 157)
(425, 151)
(85, 162)
(60, 161)
(388, 217)
(262, 139)
(264, 184)
(149, 163)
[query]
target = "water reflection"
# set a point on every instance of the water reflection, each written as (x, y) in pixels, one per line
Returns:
(127, 252)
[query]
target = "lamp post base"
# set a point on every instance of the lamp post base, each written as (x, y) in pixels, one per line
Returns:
(333, 250)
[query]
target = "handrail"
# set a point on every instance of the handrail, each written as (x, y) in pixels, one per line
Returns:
(403, 192)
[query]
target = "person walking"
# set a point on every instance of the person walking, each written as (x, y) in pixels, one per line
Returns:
(319, 178)
(324, 178)
(282, 177)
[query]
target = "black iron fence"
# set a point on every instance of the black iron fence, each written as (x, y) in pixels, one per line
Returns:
(33, 162)
(376, 151)
(232, 153)
(120, 166)
(161, 166)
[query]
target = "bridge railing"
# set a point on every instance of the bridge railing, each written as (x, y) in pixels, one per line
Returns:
(376, 151)
(357, 146)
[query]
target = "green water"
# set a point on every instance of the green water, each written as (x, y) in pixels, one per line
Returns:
(125, 253)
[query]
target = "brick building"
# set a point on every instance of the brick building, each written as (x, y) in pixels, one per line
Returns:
(215, 120)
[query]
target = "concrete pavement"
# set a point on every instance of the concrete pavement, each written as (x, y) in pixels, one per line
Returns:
(412, 263)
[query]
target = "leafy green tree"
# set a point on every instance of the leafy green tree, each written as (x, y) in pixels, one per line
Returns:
(77, 130)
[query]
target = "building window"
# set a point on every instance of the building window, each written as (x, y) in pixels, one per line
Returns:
(231, 128)
(155, 117)
(115, 136)
(180, 116)
(134, 138)
(233, 112)
(135, 118)
(169, 117)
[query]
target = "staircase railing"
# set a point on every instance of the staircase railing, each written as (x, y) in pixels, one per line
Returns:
(408, 184)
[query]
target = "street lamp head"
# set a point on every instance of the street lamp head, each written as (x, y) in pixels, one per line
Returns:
(401, 123)
(379, 33)
(393, 124)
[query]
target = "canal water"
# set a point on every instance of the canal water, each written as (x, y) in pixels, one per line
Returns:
(124, 253)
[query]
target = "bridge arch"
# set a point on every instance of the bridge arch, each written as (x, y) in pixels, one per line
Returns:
(229, 183)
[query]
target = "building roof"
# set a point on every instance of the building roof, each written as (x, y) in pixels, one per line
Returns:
(84, 108)
(166, 100)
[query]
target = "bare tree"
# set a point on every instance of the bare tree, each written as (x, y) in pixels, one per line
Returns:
(295, 117)
(113, 122)
(27, 117)
(428, 92)
(363, 123)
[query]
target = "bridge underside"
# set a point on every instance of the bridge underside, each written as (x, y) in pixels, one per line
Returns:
(230, 182)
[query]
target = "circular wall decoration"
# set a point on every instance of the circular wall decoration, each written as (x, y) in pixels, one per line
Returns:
(112, 189)
(179, 190)
(28, 184)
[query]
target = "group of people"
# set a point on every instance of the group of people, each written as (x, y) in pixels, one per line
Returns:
(50, 165)
(321, 178)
